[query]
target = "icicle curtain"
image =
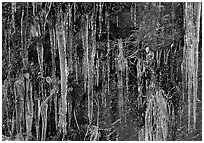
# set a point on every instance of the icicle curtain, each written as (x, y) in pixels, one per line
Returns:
(112, 62)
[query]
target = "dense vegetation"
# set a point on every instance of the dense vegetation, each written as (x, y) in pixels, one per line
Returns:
(100, 71)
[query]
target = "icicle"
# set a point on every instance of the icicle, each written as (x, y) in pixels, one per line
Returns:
(183, 73)
(160, 6)
(196, 60)
(173, 29)
(84, 66)
(126, 75)
(188, 77)
(22, 34)
(13, 16)
(157, 58)
(64, 73)
(14, 6)
(192, 57)
(117, 20)
(76, 67)
(135, 15)
(91, 65)
(44, 122)
(97, 68)
(120, 56)
(69, 50)
(7, 45)
(131, 13)
(43, 111)
(53, 46)
(93, 29)
(127, 87)
(40, 51)
(189, 88)
(13, 122)
(120, 94)
(160, 53)
(98, 111)
(189, 95)
(64, 98)
(70, 62)
(100, 18)
(29, 118)
(108, 50)
(33, 4)
(55, 98)
(120, 69)
(139, 71)
(166, 56)
(88, 66)
(60, 115)
(7, 82)
(75, 10)
(84, 71)
(103, 84)
(183, 86)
